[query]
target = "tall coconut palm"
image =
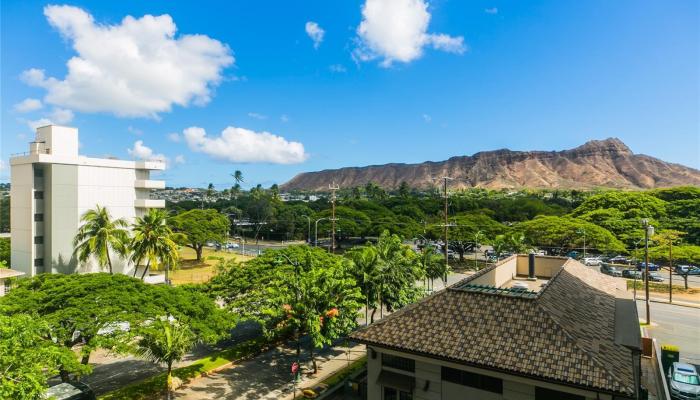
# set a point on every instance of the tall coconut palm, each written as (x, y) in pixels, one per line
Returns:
(153, 242)
(166, 341)
(237, 176)
(99, 235)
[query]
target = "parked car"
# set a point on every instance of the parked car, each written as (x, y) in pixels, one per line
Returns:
(70, 391)
(619, 260)
(652, 266)
(686, 269)
(591, 261)
(608, 269)
(683, 381)
(654, 277)
(631, 274)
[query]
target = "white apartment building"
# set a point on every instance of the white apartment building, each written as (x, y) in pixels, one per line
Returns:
(52, 186)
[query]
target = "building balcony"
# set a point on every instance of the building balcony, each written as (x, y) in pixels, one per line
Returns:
(149, 203)
(149, 184)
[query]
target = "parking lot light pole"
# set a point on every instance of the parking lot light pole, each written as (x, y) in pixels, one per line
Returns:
(316, 231)
(648, 231)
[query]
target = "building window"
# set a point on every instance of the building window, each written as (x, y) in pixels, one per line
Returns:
(39, 194)
(404, 364)
(38, 262)
(471, 379)
(549, 394)
(38, 172)
(39, 217)
(395, 394)
(38, 240)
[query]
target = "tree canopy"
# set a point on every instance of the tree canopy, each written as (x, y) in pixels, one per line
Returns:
(200, 227)
(562, 234)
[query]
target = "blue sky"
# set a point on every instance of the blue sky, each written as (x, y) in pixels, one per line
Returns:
(403, 82)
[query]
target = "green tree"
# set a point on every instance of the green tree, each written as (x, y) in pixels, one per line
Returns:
(99, 235)
(404, 189)
(237, 177)
(165, 342)
(562, 234)
(433, 264)
(199, 227)
(365, 269)
(5, 251)
(154, 242)
(28, 357)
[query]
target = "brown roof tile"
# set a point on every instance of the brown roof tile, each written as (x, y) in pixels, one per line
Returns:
(565, 333)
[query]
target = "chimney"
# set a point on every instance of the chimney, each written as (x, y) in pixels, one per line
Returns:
(531, 267)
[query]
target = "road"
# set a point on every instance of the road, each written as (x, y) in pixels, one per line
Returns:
(677, 325)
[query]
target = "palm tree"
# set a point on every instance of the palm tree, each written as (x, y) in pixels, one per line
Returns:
(154, 242)
(210, 191)
(98, 235)
(365, 269)
(166, 341)
(237, 176)
(432, 264)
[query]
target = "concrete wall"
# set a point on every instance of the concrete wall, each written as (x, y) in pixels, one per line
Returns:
(499, 275)
(428, 369)
(22, 219)
(61, 217)
(545, 266)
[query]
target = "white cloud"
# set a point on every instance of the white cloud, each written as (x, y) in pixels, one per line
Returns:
(315, 32)
(174, 137)
(427, 118)
(492, 10)
(240, 145)
(338, 68)
(257, 115)
(28, 105)
(135, 131)
(137, 68)
(284, 118)
(179, 159)
(396, 31)
(2, 165)
(57, 116)
(142, 152)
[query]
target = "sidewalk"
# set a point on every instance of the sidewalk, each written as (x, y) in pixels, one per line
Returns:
(268, 375)
(329, 368)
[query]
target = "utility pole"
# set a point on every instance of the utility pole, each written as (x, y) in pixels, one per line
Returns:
(333, 187)
(648, 231)
(447, 265)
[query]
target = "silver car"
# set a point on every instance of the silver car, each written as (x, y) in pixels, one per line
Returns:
(684, 381)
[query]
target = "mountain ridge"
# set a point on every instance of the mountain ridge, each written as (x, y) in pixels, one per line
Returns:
(595, 164)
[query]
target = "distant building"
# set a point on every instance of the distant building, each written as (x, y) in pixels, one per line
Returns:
(540, 328)
(52, 186)
(5, 276)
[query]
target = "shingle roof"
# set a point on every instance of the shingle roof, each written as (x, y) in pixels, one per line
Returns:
(565, 333)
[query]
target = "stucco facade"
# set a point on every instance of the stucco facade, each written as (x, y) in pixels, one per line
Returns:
(52, 186)
(429, 384)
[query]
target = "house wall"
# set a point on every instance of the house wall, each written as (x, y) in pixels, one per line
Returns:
(499, 275)
(428, 369)
(22, 218)
(545, 267)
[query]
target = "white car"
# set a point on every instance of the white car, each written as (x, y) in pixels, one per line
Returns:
(684, 381)
(591, 261)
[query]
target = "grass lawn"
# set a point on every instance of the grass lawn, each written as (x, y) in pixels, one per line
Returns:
(191, 271)
(661, 287)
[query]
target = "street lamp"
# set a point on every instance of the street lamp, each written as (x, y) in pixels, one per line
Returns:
(648, 231)
(316, 230)
(308, 229)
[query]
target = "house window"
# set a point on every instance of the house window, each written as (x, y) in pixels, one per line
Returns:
(38, 217)
(38, 240)
(39, 194)
(404, 364)
(38, 262)
(38, 172)
(471, 379)
(549, 394)
(395, 394)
